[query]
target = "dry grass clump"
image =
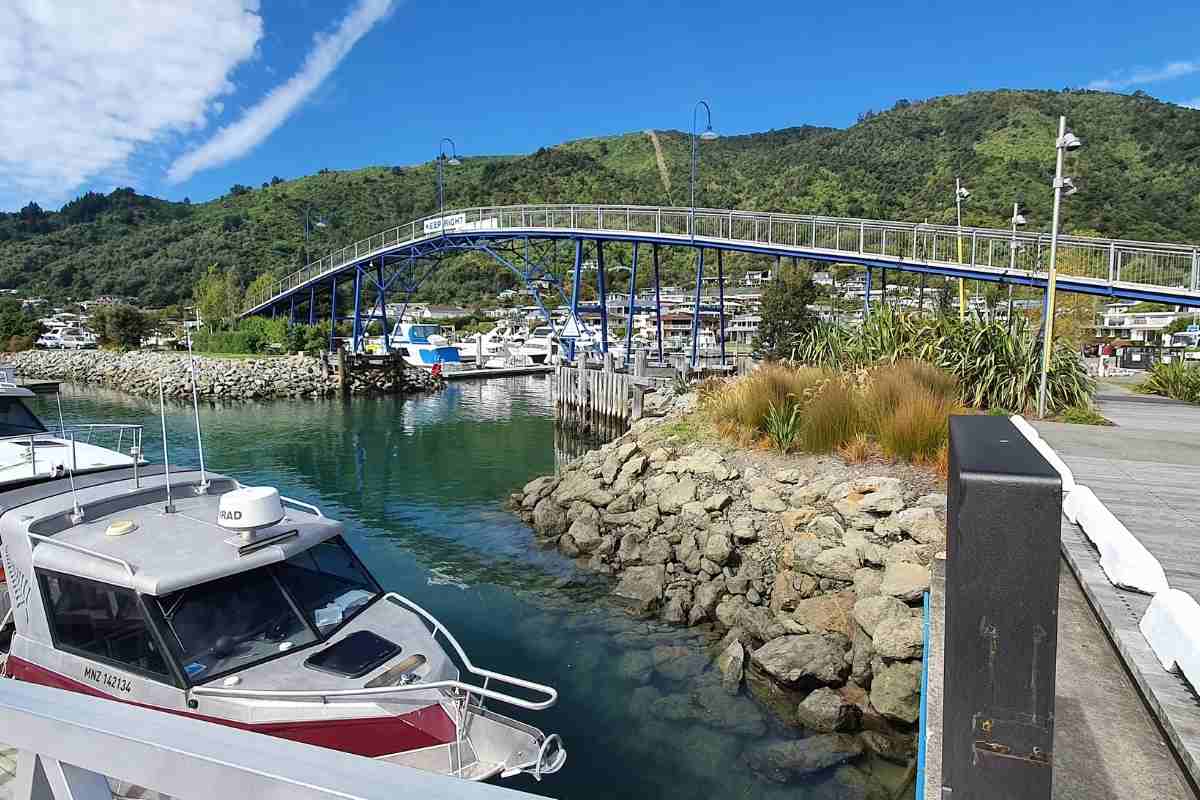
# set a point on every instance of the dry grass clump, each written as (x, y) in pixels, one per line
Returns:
(901, 410)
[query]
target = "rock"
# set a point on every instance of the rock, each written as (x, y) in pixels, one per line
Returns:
(623, 504)
(806, 585)
(887, 530)
(796, 518)
(720, 709)
(922, 524)
(862, 653)
(538, 487)
(717, 549)
(679, 603)
(825, 711)
(866, 582)
(656, 550)
(879, 495)
(731, 663)
(896, 691)
(549, 519)
(936, 501)
(905, 580)
(624, 451)
(642, 587)
(728, 609)
(764, 498)
(760, 624)
(851, 783)
(905, 551)
(630, 549)
(705, 599)
(586, 533)
(745, 534)
(671, 499)
(827, 527)
(576, 486)
(661, 482)
(870, 611)
(678, 662)
(567, 546)
(899, 638)
(848, 511)
(896, 749)
(636, 665)
(612, 466)
(709, 567)
(783, 594)
(787, 761)
(805, 661)
(599, 497)
(838, 563)
(800, 551)
(808, 494)
(788, 476)
(717, 501)
(827, 613)
(753, 597)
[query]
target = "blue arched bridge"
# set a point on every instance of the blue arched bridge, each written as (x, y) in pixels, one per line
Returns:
(520, 238)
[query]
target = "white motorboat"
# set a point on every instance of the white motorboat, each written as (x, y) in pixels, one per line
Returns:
(31, 452)
(423, 346)
(234, 605)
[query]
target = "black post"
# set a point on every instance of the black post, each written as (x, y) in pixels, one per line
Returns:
(1003, 515)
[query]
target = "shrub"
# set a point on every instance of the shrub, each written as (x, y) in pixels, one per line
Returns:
(1177, 380)
(783, 425)
(832, 417)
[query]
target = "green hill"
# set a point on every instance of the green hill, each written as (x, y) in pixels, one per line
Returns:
(1139, 174)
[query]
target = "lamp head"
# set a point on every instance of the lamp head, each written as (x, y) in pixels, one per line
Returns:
(1068, 187)
(1019, 219)
(708, 134)
(963, 193)
(453, 161)
(1070, 141)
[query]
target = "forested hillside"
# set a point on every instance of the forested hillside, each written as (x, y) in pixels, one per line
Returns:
(1139, 178)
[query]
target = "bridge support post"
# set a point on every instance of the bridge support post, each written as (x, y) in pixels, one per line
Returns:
(867, 297)
(658, 305)
(356, 328)
(333, 318)
(721, 300)
(696, 309)
(576, 288)
(632, 305)
(382, 297)
(292, 311)
(312, 304)
(602, 290)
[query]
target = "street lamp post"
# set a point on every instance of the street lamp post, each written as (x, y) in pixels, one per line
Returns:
(707, 135)
(1065, 141)
(960, 194)
(1017, 219)
(442, 160)
(309, 224)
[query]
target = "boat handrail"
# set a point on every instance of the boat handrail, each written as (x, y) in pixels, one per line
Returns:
(550, 693)
(303, 505)
(86, 551)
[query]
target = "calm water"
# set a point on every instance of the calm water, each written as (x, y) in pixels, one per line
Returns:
(419, 483)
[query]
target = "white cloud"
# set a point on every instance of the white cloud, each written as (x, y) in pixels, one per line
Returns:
(1193, 103)
(1143, 75)
(84, 83)
(260, 121)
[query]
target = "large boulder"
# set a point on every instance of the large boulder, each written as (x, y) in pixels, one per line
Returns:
(784, 762)
(549, 518)
(805, 661)
(656, 550)
(827, 613)
(576, 486)
(896, 691)
(718, 548)
(586, 533)
(866, 582)
(826, 711)
(672, 498)
(870, 611)
(905, 580)
(764, 498)
(838, 563)
(899, 638)
(760, 624)
(705, 599)
(936, 501)
(922, 524)
(799, 553)
(731, 663)
(878, 495)
(642, 587)
(784, 595)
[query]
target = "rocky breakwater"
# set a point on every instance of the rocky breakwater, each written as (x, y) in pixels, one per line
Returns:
(814, 573)
(138, 372)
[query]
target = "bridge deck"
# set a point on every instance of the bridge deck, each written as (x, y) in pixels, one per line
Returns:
(1146, 470)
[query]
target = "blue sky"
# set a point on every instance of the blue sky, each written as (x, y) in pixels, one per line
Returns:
(189, 97)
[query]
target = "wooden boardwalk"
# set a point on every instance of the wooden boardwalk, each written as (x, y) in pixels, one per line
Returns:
(1147, 471)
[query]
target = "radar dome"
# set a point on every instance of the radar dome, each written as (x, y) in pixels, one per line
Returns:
(249, 508)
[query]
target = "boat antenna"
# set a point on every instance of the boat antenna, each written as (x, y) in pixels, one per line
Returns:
(203, 487)
(76, 509)
(162, 413)
(62, 426)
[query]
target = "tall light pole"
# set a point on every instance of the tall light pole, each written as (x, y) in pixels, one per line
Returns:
(1065, 141)
(442, 160)
(1018, 219)
(309, 224)
(707, 135)
(960, 194)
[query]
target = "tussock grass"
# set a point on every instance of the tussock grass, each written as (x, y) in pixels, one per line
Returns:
(832, 417)
(746, 402)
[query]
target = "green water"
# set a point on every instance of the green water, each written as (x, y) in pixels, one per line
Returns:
(419, 483)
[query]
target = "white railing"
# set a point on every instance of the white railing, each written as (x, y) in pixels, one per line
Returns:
(70, 744)
(1108, 262)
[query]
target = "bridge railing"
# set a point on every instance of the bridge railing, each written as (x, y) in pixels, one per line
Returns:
(70, 744)
(1108, 261)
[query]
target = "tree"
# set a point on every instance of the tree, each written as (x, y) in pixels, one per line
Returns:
(262, 286)
(216, 296)
(239, 189)
(122, 326)
(785, 313)
(18, 330)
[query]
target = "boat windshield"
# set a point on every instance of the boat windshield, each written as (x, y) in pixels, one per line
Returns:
(419, 334)
(16, 418)
(233, 622)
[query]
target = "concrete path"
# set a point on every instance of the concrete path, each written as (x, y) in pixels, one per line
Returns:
(1147, 471)
(1106, 742)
